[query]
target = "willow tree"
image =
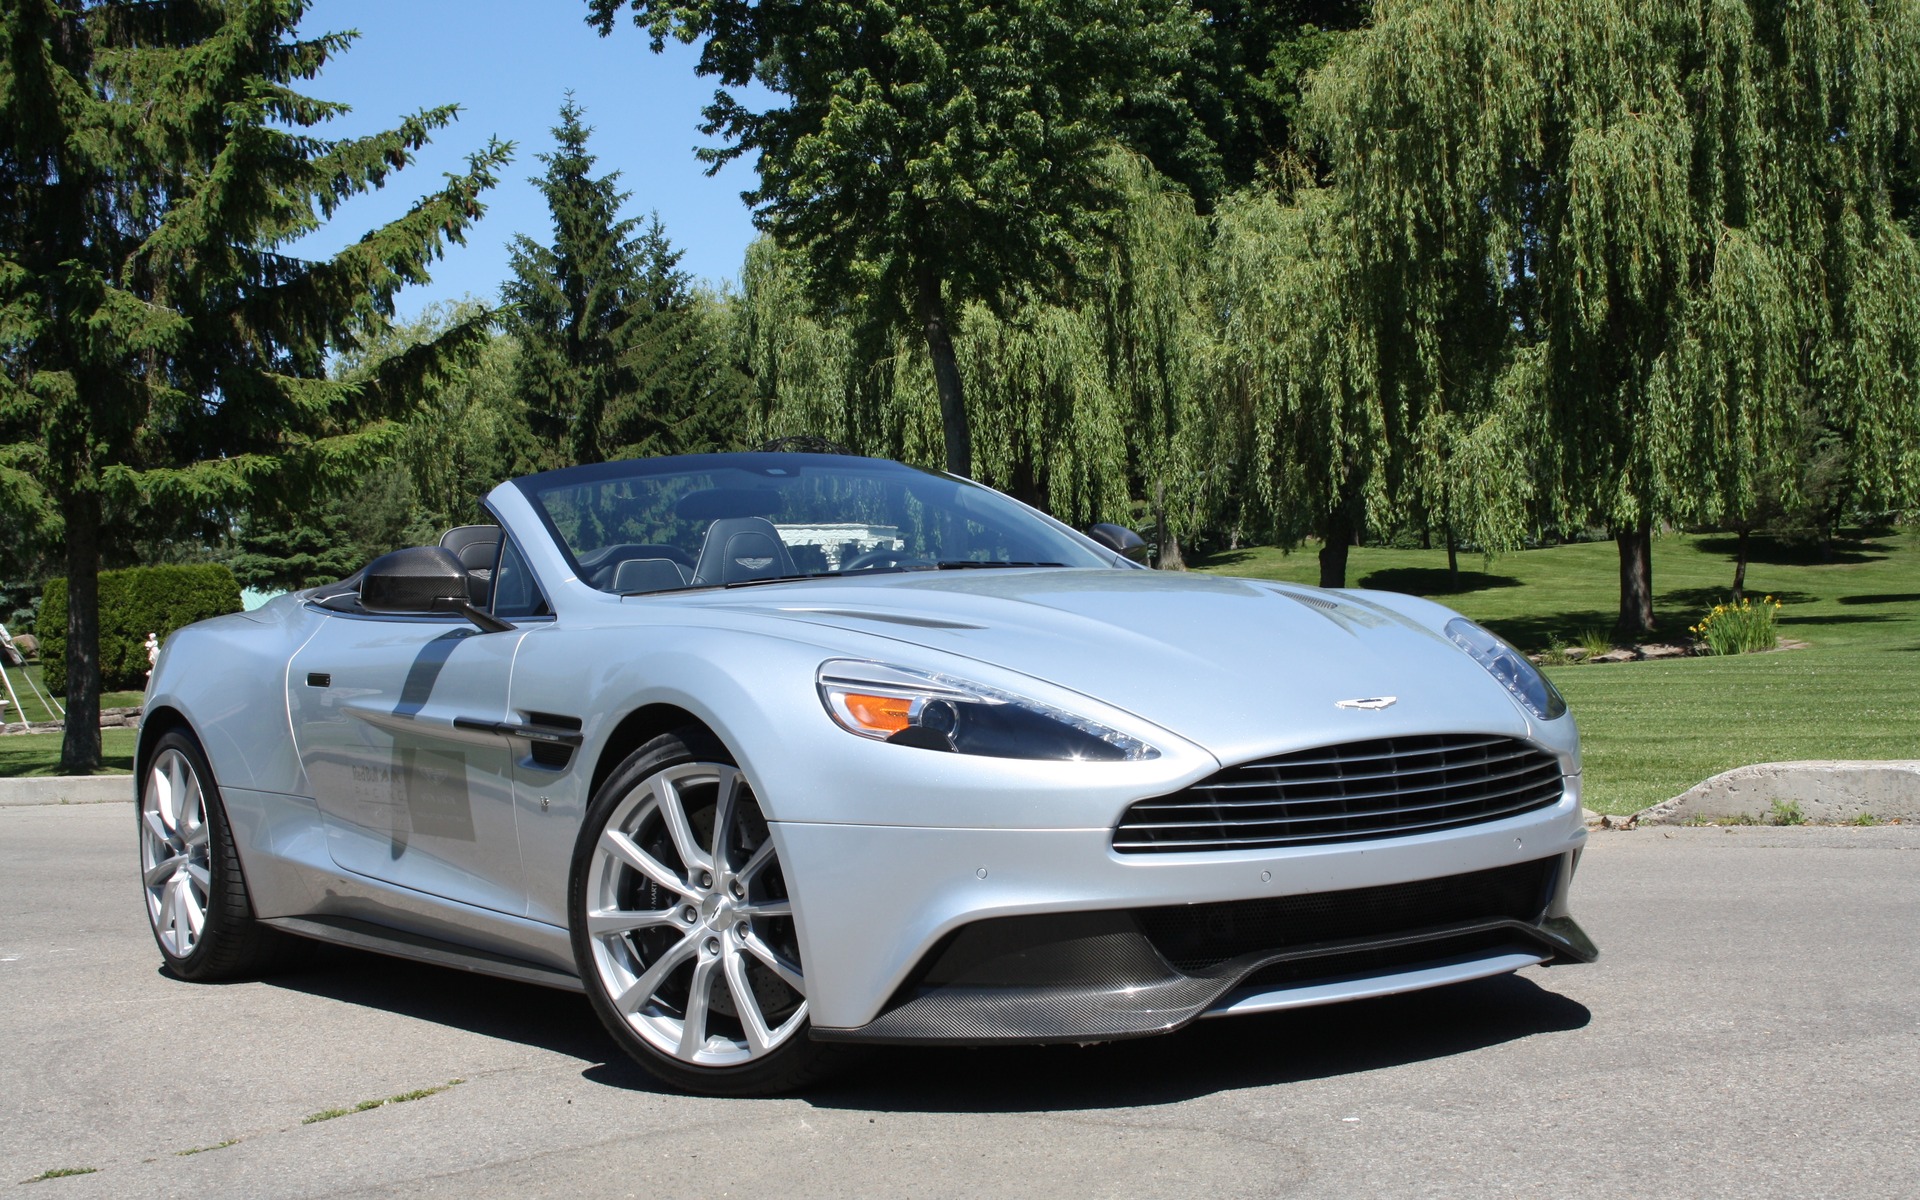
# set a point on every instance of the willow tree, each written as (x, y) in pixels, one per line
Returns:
(162, 352)
(1150, 294)
(924, 156)
(1680, 216)
(1297, 368)
(1048, 426)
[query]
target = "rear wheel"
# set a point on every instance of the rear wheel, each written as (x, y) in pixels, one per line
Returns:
(197, 901)
(683, 931)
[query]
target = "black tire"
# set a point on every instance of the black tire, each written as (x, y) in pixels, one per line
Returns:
(791, 1064)
(230, 943)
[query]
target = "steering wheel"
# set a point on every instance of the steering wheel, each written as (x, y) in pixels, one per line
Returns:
(878, 558)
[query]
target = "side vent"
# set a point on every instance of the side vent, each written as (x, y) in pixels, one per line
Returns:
(554, 756)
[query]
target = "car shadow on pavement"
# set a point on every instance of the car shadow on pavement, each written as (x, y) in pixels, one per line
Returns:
(1205, 1058)
(1209, 1056)
(541, 1017)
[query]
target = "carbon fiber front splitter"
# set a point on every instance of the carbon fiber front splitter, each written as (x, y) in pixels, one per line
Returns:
(1103, 976)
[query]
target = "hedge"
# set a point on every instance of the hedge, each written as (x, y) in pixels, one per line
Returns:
(134, 603)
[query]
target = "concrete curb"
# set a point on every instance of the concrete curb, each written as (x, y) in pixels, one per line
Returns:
(66, 789)
(1826, 791)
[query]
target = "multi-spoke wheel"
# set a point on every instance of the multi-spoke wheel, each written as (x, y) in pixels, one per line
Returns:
(682, 927)
(196, 896)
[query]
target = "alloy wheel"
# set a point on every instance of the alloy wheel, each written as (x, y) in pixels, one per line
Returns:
(689, 921)
(175, 866)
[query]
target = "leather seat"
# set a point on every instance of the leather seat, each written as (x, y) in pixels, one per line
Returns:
(741, 548)
(477, 547)
(638, 575)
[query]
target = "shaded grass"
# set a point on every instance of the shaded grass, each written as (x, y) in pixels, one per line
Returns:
(39, 753)
(23, 754)
(37, 711)
(1651, 730)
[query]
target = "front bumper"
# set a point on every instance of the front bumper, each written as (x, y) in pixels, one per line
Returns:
(1078, 977)
(972, 935)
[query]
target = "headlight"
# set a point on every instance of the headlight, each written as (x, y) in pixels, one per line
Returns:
(939, 712)
(1533, 690)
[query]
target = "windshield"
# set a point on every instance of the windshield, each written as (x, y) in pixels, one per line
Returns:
(655, 525)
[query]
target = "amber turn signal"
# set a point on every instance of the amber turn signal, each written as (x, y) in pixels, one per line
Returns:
(888, 714)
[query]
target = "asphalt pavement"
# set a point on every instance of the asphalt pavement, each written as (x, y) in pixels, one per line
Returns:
(1752, 1029)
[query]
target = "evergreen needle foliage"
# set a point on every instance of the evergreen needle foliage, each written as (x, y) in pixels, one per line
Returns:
(162, 354)
(618, 356)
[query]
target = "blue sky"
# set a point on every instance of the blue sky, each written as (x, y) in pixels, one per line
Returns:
(508, 64)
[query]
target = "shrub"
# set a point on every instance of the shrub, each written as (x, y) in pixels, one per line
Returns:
(134, 603)
(1739, 628)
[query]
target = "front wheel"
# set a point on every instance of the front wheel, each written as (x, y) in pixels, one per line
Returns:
(682, 928)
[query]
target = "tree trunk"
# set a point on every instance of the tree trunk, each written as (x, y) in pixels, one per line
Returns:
(1453, 561)
(1335, 540)
(80, 750)
(1740, 567)
(946, 372)
(1167, 557)
(1636, 580)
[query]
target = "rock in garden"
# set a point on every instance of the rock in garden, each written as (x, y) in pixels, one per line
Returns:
(1574, 653)
(1614, 655)
(1662, 650)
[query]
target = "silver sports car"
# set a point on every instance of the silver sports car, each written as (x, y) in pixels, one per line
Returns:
(773, 754)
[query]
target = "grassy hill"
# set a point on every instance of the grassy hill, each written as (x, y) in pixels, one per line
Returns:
(1653, 729)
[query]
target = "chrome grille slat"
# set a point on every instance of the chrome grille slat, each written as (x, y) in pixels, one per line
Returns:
(1291, 781)
(1431, 782)
(1350, 797)
(1307, 839)
(1306, 758)
(1239, 817)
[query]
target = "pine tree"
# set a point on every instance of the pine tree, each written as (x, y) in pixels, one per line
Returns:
(618, 356)
(162, 353)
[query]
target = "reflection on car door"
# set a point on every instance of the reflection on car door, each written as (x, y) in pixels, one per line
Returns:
(407, 796)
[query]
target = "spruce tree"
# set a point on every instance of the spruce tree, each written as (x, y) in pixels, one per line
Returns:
(162, 352)
(618, 356)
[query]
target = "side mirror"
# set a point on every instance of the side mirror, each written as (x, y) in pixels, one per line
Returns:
(1121, 540)
(420, 580)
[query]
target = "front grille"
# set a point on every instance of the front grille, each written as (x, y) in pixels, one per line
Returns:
(1197, 937)
(1388, 787)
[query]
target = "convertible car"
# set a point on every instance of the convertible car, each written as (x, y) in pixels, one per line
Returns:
(774, 754)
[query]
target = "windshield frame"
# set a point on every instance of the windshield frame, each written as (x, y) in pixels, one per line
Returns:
(775, 464)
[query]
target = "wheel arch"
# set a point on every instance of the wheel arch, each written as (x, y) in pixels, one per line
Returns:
(635, 730)
(154, 725)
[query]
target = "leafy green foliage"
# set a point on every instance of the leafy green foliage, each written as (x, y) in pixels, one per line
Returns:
(134, 603)
(1647, 243)
(923, 157)
(1739, 627)
(618, 356)
(162, 354)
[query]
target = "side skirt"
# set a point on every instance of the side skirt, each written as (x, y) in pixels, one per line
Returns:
(364, 935)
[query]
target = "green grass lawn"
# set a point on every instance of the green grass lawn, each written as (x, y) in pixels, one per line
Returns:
(1653, 729)
(39, 753)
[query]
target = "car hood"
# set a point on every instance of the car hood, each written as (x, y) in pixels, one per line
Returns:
(1241, 667)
